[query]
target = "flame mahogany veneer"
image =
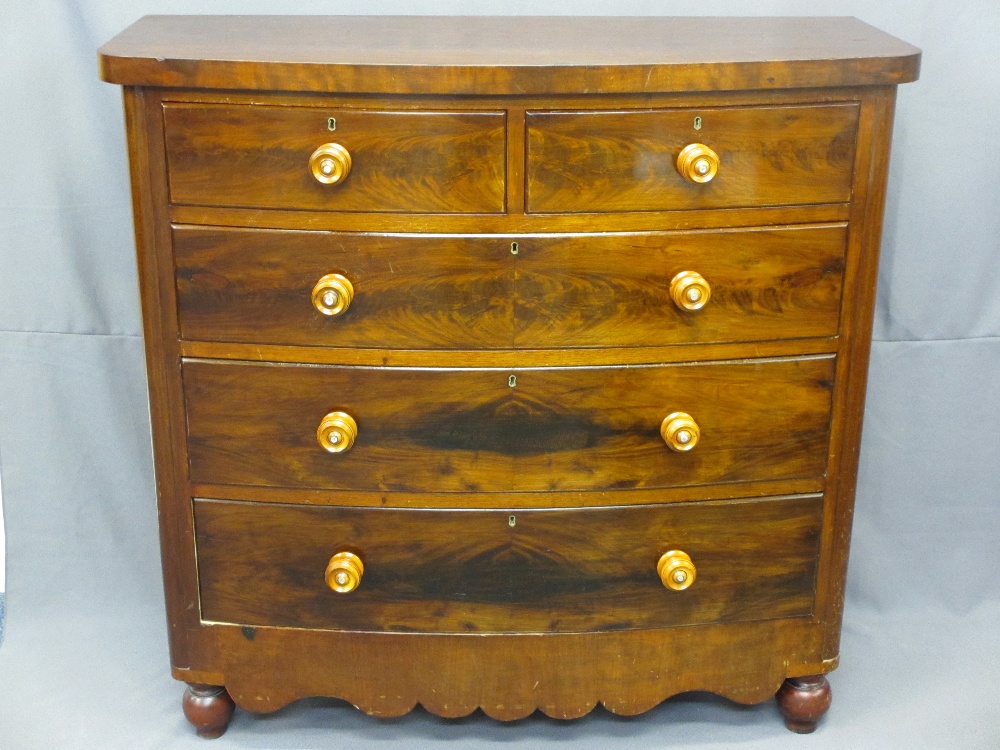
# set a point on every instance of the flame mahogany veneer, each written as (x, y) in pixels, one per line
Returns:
(506, 363)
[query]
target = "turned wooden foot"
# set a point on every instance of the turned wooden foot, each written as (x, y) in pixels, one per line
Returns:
(803, 701)
(209, 708)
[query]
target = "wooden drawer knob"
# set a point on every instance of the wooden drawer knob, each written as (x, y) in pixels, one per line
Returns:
(337, 432)
(333, 294)
(330, 163)
(676, 570)
(690, 291)
(697, 163)
(679, 431)
(344, 571)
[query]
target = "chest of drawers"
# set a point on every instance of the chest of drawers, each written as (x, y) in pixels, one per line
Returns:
(506, 363)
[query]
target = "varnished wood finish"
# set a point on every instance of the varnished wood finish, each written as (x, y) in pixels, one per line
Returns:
(410, 291)
(504, 55)
(469, 431)
(614, 290)
(506, 358)
(721, 218)
(209, 709)
(510, 676)
(258, 156)
(459, 500)
(159, 314)
(420, 291)
(852, 378)
(625, 161)
(494, 571)
(803, 701)
(564, 139)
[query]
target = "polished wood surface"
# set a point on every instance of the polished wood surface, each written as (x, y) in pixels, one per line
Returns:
(614, 290)
(531, 500)
(488, 381)
(625, 161)
(494, 571)
(410, 291)
(803, 701)
(258, 156)
(452, 292)
(429, 430)
(504, 55)
(509, 677)
(209, 709)
(507, 358)
(852, 376)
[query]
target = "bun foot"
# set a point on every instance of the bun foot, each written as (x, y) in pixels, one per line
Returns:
(803, 701)
(209, 709)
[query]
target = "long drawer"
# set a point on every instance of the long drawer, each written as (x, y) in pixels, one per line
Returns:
(569, 428)
(507, 571)
(412, 291)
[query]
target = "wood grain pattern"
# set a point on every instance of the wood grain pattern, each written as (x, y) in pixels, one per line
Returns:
(469, 431)
(852, 377)
(504, 55)
(418, 291)
(515, 500)
(510, 676)
(436, 432)
(410, 291)
(644, 221)
(258, 156)
(471, 571)
(507, 358)
(626, 161)
(613, 290)
(166, 401)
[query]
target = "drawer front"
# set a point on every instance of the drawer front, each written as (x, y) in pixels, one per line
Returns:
(259, 156)
(498, 430)
(432, 291)
(627, 161)
(409, 291)
(507, 571)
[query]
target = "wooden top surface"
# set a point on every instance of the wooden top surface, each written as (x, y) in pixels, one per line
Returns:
(503, 55)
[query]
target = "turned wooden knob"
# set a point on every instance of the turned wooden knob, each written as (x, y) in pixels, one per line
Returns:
(337, 432)
(344, 571)
(676, 570)
(333, 294)
(697, 163)
(679, 431)
(690, 291)
(330, 164)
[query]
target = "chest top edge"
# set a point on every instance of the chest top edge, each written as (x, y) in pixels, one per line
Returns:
(504, 55)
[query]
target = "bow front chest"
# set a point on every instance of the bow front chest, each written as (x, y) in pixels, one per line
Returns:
(506, 363)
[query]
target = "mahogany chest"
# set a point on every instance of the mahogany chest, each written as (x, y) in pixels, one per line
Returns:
(506, 363)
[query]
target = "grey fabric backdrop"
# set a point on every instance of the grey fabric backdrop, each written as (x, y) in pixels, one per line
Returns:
(84, 661)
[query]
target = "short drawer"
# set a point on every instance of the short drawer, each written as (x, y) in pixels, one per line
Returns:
(566, 428)
(627, 160)
(470, 571)
(472, 292)
(259, 156)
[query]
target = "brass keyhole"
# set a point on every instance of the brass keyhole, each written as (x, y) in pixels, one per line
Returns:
(331, 123)
(512, 381)
(511, 521)
(513, 248)
(697, 123)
